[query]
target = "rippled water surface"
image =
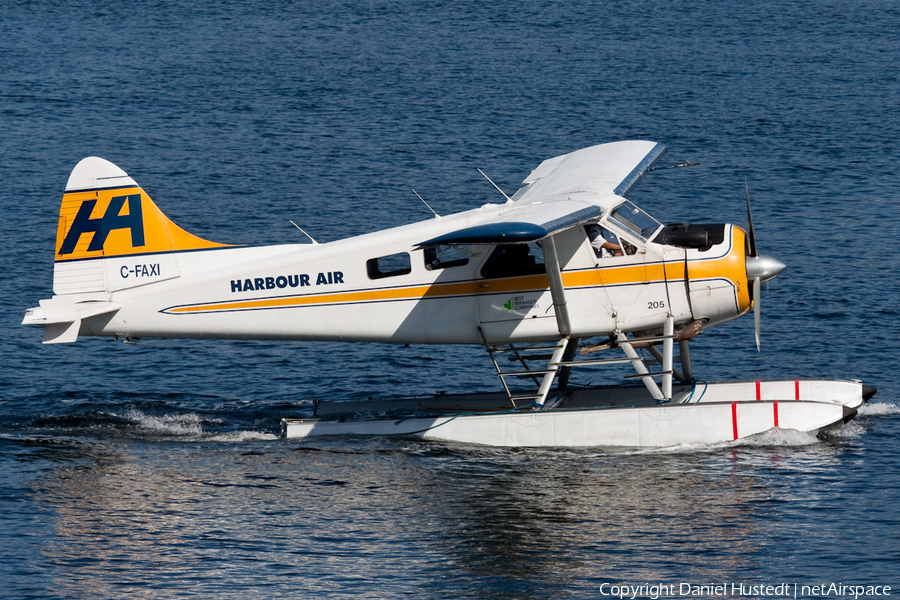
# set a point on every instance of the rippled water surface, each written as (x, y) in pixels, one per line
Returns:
(155, 470)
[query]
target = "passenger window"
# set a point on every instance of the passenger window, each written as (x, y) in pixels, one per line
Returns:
(389, 266)
(512, 260)
(444, 257)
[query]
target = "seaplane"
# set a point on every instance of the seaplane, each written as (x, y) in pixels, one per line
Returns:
(567, 274)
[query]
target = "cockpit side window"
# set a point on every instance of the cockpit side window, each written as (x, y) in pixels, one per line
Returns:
(512, 260)
(607, 243)
(635, 221)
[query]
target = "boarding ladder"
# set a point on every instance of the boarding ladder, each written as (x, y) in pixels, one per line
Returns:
(523, 354)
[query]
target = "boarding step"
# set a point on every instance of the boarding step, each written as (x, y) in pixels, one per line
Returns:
(598, 361)
(532, 357)
(524, 354)
(527, 373)
(504, 348)
(653, 374)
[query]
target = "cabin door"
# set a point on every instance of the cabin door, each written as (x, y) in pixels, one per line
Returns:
(513, 292)
(633, 285)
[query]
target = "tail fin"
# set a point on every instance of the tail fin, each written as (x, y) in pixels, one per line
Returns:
(108, 225)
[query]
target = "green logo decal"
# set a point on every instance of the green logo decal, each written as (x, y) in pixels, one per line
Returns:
(520, 304)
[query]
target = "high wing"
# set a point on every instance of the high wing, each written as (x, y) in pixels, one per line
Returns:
(564, 192)
(613, 168)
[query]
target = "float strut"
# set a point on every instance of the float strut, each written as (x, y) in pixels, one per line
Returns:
(659, 357)
(686, 361)
(549, 377)
(639, 366)
(568, 356)
(668, 349)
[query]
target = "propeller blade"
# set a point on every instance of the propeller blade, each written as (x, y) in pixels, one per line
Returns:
(756, 309)
(760, 269)
(750, 235)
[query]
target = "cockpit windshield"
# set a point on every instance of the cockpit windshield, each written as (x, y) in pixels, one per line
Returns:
(632, 219)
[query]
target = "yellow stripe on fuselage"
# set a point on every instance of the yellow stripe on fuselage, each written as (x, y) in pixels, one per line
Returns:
(465, 288)
(730, 267)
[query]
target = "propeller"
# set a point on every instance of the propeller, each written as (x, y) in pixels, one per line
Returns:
(759, 268)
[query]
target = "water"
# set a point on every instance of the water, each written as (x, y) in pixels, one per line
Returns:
(154, 470)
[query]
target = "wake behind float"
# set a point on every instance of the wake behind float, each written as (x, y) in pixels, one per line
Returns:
(566, 274)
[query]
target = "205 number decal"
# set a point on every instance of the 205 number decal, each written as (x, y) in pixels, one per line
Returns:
(656, 304)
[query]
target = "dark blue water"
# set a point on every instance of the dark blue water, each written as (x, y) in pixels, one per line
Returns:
(154, 470)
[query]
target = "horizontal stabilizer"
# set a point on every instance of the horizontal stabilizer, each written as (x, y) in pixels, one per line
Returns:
(61, 317)
(61, 333)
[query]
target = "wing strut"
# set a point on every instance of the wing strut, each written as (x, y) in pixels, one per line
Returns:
(557, 290)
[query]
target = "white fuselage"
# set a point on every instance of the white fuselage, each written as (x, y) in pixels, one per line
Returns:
(327, 292)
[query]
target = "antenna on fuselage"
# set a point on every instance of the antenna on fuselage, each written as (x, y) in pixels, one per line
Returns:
(508, 199)
(436, 216)
(303, 232)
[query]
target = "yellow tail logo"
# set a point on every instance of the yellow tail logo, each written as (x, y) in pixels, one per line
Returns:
(111, 216)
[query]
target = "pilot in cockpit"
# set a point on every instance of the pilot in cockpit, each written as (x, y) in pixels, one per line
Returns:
(603, 248)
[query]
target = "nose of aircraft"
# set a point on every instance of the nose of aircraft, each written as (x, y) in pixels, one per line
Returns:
(763, 268)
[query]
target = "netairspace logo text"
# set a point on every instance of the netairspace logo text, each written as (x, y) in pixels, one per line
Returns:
(736, 590)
